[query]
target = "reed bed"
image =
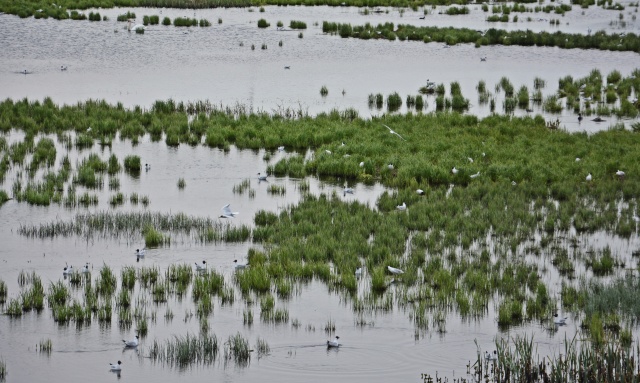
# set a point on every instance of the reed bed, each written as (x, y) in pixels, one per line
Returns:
(184, 351)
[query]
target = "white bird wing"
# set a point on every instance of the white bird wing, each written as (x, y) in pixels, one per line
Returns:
(226, 211)
(393, 132)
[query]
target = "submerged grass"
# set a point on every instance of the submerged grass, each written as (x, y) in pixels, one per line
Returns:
(185, 351)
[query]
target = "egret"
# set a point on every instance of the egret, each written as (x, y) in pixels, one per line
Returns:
(227, 213)
(402, 207)
(393, 132)
(394, 271)
(333, 343)
(131, 343)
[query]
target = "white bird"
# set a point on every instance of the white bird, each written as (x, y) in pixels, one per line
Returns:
(635, 217)
(402, 207)
(620, 173)
(343, 144)
(393, 132)
(131, 343)
(240, 265)
(135, 27)
(262, 177)
(115, 366)
(67, 270)
(513, 183)
(327, 151)
(281, 148)
(484, 154)
(589, 178)
(201, 267)
(491, 357)
(140, 252)
(333, 343)
(470, 159)
(454, 170)
(347, 191)
(227, 213)
(62, 67)
(390, 166)
(395, 271)
(475, 175)
(362, 164)
(420, 191)
(85, 268)
(147, 167)
(559, 321)
(359, 272)
(577, 159)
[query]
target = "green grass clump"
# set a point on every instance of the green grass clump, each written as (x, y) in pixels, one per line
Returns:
(185, 351)
(181, 183)
(324, 91)
(237, 349)
(262, 23)
(166, 21)
(132, 164)
(126, 16)
(45, 346)
(153, 237)
(3, 369)
(295, 24)
(3, 292)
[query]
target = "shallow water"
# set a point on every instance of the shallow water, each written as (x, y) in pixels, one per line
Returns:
(209, 63)
(190, 64)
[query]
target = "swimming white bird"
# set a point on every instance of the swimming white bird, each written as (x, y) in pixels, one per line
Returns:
(454, 170)
(475, 175)
(393, 132)
(281, 148)
(67, 270)
(140, 252)
(62, 67)
(240, 265)
(115, 366)
(131, 343)
(359, 272)
(470, 159)
(347, 191)
(402, 207)
(362, 164)
(588, 178)
(559, 321)
(147, 167)
(201, 267)
(395, 271)
(420, 191)
(227, 213)
(620, 174)
(134, 27)
(491, 357)
(333, 343)
(262, 177)
(85, 268)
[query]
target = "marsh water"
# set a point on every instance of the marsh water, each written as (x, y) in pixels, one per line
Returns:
(210, 63)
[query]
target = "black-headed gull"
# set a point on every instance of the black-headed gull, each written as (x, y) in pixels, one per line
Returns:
(131, 343)
(67, 270)
(115, 366)
(359, 272)
(201, 267)
(227, 213)
(239, 265)
(559, 321)
(402, 207)
(333, 343)
(262, 177)
(491, 357)
(85, 268)
(454, 170)
(347, 191)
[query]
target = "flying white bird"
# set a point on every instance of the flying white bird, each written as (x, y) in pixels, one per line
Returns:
(131, 343)
(402, 207)
(395, 271)
(559, 321)
(393, 132)
(115, 366)
(227, 213)
(201, 267)
(333, 343)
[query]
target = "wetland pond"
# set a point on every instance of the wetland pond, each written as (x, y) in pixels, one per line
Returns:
(386, 341)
